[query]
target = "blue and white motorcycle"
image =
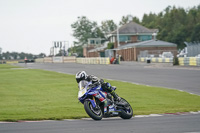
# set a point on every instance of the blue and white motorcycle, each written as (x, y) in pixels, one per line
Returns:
(99, 104)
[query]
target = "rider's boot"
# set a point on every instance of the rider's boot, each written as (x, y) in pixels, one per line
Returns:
(116, 97)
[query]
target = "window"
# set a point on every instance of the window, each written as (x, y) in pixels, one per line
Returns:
(144, 37)
(123, 38)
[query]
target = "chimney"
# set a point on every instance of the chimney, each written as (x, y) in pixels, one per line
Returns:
(130, 18)
(154, 36)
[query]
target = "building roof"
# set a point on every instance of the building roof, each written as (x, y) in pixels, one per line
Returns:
(149, 43)
(134, 28)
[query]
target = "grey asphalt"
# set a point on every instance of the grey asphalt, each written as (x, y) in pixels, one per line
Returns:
(181, 78)
(161, 124)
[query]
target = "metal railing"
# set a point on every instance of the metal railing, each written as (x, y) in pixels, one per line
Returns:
(193, 49)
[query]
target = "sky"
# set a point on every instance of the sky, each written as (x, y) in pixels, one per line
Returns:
(31, 26)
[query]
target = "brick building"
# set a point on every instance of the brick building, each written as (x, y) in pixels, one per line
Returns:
(131, 51)
(131, 33)
(98, 52)
(133, 40)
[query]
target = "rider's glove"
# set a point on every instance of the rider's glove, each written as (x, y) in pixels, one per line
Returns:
(94, 84)
(108, 85)
(101, 81)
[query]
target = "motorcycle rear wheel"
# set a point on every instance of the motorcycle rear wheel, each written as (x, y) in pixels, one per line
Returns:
(94, 113)
(126, 113)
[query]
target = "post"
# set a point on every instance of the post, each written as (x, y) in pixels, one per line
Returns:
(118, 44)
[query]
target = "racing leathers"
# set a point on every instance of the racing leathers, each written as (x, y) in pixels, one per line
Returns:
(105, 86)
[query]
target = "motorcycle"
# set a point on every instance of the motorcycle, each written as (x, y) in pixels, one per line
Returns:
(98, 103)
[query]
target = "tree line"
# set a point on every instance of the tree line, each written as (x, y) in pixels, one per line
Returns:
(19, 56)
(175, 24)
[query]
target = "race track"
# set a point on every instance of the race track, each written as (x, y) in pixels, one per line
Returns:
(159, 124)
(181, 78)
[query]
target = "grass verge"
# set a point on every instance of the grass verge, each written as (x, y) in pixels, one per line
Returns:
(6, 66)
(30, 94)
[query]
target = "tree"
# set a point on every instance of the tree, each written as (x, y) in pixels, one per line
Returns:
(0, 53)
(83, 29)
(107, 27)
(42, 55)
(175, 25)
(110, 45)
(149, 20)
(76, 49)
(125, 19)
(97, 33)
(196, 33)
(0, 50)
(15, 55)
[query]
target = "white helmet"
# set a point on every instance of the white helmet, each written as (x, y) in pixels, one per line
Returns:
(81, 76)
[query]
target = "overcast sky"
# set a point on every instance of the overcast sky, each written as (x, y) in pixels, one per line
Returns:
(31, 25)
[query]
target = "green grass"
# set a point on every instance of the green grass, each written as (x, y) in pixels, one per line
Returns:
(6, 66)
(155, 100)
(30, 94)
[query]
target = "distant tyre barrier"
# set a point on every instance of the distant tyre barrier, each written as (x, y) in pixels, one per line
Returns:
(189, 61)
(39, 60)
(69, 59)
(156, 60)
(57, 59)
(48, 60)
(11, 61)
(96, 60)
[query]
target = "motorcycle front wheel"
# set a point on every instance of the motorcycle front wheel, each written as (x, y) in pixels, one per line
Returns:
(94, 113)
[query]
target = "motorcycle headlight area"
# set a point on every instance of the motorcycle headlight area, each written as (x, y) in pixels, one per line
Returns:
(82, 92)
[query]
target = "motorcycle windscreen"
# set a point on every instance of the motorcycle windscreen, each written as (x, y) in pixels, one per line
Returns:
(82, 88)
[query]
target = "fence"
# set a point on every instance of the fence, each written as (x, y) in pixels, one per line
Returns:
(156, 60)
(183, 61)
(69, 59)
(48, 60)
(189, 61)
(11, 61)
(97, 60)
(39, 60)
(193, 49)
(156, 53)
(57, 59)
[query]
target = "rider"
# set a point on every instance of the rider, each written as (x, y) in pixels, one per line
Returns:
(91, 78)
